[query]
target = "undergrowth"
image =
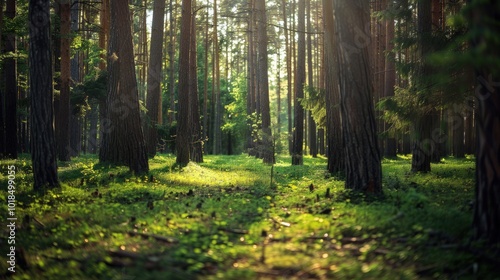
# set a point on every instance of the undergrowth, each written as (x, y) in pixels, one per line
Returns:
(225, 219)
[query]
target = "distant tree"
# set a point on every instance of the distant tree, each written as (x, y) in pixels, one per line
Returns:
(43, 145)
(300, 76)
(10, 72)
(362, 155)
(183, 139)
(123, 140)
(2, 121)
(154, 92)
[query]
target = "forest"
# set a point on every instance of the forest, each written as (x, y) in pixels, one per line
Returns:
(250, 139)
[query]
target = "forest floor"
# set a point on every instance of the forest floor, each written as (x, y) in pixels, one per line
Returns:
(226, 219)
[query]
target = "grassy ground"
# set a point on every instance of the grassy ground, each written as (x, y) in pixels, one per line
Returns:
(226, 219)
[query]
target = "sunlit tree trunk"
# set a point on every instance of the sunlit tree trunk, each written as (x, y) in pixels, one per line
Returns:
(171, 56)
(154, 80)
(362, 155)
(312, 135)
(263, 77)
(43, 145)
(217, 110)
(123, 139)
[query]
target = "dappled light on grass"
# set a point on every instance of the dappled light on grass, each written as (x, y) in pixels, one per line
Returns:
(223, 220)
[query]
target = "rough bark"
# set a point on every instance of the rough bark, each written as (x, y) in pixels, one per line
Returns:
(123, 139)
(154, 92)
(183, 139)
(486, 220)
(335, 151)
(363, 168)
(43, 145)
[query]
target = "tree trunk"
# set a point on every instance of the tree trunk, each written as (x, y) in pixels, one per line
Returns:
(183, 140)
(335, 143)
(194, 106)
(486, 220)
(63, 112)
(154, 96)
(10, 72)
(289, 76)
(313, 145)
(263, 77)
(171, 55)
(217, 107)
(390, 81)
(363, 168)
(123, 139)
(423, 147)
(300, 75)
(43, 145)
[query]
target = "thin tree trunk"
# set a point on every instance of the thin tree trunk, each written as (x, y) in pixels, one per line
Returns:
(298, 130)
(11, 93)
(390, 81)
(263, 77)
(43, 144)
(154, 96)
(313, 146)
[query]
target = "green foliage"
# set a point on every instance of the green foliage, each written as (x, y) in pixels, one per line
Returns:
(221, 220)
(314, 101)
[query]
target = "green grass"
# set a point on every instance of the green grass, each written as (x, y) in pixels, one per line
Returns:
(225, 219)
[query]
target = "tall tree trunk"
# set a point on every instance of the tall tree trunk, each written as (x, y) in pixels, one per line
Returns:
(335, 142)
(363, 168)
(217, 111)
(123, 139)
(390, 81)
(194, 106)
(43, 144)
(313, 145)
(423, 147)
(10, 72)
(300, 75)
(289, 76)
(486, 220)
(263, 77)
(154, 96)
(183, 140)
(105, 17)
(63, 112)
(250, 144)
(171, 56)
